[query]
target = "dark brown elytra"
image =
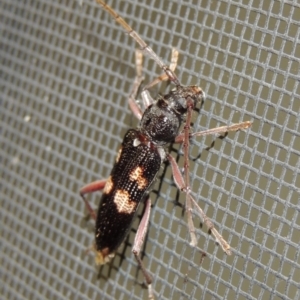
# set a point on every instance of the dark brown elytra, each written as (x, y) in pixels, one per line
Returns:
(141, 154)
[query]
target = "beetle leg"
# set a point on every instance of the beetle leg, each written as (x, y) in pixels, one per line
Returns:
(217, 130)
(138, 243)
(92, 187)
(179, 181)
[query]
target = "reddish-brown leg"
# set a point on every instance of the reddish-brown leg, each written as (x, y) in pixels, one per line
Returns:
(138, 243)
(179, 181)
(218, 130)
(91, 188)
(183, 183)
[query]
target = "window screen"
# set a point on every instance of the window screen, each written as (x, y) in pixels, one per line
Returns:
(66, 72)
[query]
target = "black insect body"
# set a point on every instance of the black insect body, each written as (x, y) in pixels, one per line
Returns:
(141, 155)
(139, 159)
(136, 166)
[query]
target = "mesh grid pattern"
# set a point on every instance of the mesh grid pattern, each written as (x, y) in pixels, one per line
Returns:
(66, 71)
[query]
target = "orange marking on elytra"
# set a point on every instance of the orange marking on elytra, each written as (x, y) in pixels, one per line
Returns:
(137, 175)
(123, 202)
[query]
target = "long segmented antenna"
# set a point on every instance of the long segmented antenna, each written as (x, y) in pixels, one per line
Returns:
(144, 47)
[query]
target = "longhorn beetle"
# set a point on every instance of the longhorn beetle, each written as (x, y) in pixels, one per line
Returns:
(141, 155)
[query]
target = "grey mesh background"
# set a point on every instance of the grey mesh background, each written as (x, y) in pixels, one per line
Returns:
(66, 71)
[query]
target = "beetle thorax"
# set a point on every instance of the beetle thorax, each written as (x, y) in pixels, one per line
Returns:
(160, 122)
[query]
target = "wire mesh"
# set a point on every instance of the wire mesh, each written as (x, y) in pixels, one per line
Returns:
(66, 71)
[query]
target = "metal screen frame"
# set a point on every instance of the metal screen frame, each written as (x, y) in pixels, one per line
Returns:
(66, 72)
